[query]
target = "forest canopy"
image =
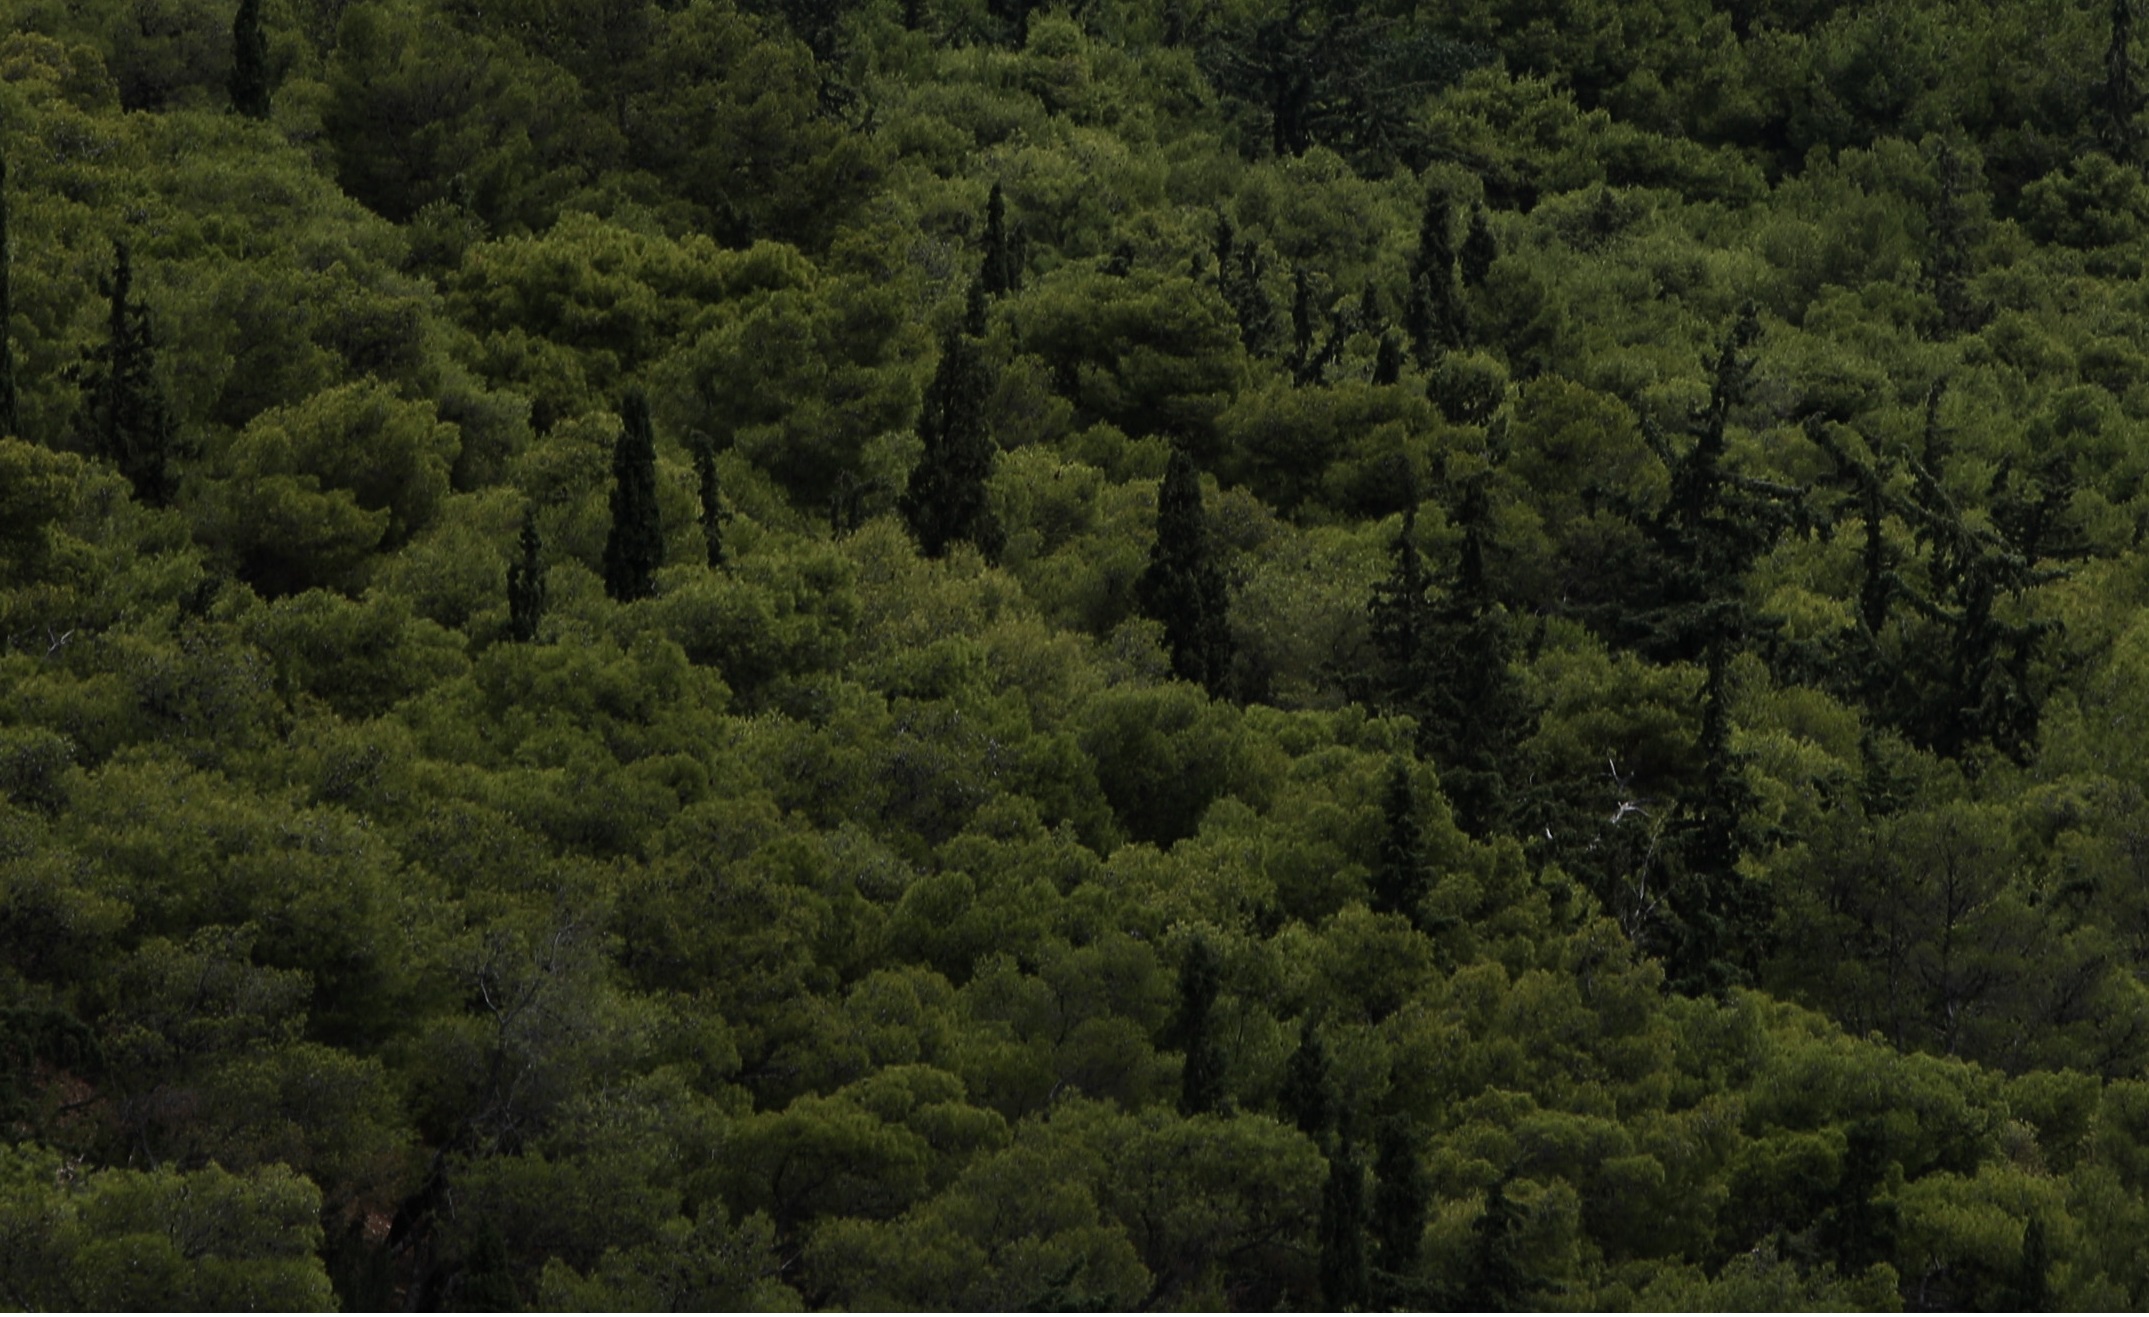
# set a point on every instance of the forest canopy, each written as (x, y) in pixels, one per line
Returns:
(777, 654)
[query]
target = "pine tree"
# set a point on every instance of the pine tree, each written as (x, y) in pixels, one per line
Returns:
(1479, 250)
(946, 500)
(124, 419)
(1314, 370)
(1472, 712)
(1433, 310)
(1400, 615)
(1343, 1231)
(1002, 270)
(1721, 915)
(1402, 1199)
(526, 584)
(1183, 587)
(1201, 1082)
(1953, 223)
(249, 81)
(713, 512)
(1308, 1097)
(1399, 885)
(1242, 279)
(1301, 324)
(1495, 1279)
(1857, 1229)
(10, 417)
(2122, 96)
(2030, 1288)
(635, 548)
(1388, 363)
(848, 499)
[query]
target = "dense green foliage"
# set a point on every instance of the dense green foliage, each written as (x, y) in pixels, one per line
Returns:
(1238, 655)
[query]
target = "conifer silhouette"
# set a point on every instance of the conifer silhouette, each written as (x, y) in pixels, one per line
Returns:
(1183, 587)
(526, 584)
(124, 419)
(10, 417)
(635, 548)
(249, 81)
(946, 500)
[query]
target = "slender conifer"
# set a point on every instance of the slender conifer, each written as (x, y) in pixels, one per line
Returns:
(635, 548)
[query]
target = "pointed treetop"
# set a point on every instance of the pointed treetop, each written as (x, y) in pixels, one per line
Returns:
(249, 81)
(635, 548)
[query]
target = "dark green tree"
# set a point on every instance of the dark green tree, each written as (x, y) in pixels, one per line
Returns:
(1388, 362)
(1308, 1096)
(713, 512)
(526, 584)
(486, 1281)
(249, 81)
(1183, 587)
(1716, 523)
(1400, 616)
(1958, 667)
(1399, 885)
(2121, 99)
(1856, 1230)
(1954, 222)
(945, 500)
(1342, 320)
(1433, 313)
(1495, 1279)
(1201, 1082)
(635, 548)
(1402, 1199)
(1242, 278)
(10, 417)
(1302, 330)
(2029, 1289)
(1344, 1285)
(1473, 714)
(124, 419)
(1479, 250)
(1722, 917)
(1002, 268)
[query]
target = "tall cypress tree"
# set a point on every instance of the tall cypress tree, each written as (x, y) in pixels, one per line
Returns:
(1402, 1198)
(1400, 615)
(945, 500)
(1002, 268)
(1201, 1082)
(1301, 324)
(1473, 714)
(1183, 587)
(10, 418)
(1953, 222)
(1308, 1097)
(1433, 310)
(1479, 250)
(526, 584)
(713, 512)
(1399, 878)
(1721, 915)
(1495, 1279)
(2122, 94)
(2030, 1288)
(1388, 362)
(635, 548)
(249, 82)
(1242, 279)
(1343, 1230)
(124, 419)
